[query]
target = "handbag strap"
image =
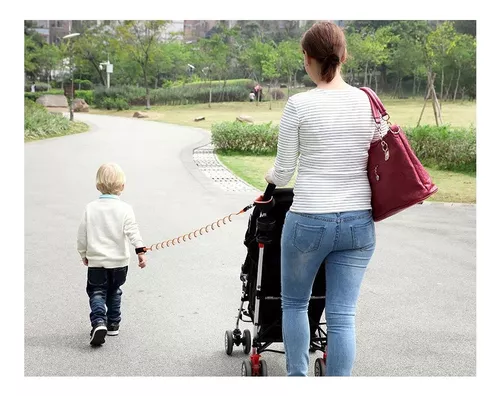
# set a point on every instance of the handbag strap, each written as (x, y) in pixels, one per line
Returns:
(378, 109)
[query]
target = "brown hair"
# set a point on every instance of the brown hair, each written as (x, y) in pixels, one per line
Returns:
(325, 42)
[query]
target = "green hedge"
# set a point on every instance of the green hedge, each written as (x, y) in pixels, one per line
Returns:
(247, 83)
(88, 96)
(234, 91)
(39, 87)
(245, 138)
(443, 147)
(33, 96)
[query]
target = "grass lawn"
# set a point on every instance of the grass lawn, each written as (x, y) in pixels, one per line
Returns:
(453, 187)
(404, 112)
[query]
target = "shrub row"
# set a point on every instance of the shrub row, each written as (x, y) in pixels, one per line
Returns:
(443, 147)
(88, 96)
(245, 138)
(234, 91)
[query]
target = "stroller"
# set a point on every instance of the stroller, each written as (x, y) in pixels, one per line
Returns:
(260, 275)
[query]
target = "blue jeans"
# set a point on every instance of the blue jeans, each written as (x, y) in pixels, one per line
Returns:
(347, 242)
(103, 289)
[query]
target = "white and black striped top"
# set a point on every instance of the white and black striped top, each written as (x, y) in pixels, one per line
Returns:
(329, 132)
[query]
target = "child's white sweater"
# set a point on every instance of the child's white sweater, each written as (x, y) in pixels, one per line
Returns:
(106, 227)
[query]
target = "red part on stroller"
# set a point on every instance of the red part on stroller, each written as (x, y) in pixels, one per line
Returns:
(261, 284)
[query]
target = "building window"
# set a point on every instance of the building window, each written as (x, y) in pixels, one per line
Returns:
(59, 24)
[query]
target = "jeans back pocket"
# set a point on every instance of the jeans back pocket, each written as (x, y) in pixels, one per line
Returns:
(307, 238)
(97, 277)
(363, 235)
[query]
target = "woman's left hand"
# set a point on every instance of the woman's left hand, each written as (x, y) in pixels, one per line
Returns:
(268, 176)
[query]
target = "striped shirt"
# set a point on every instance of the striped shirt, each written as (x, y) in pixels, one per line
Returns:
(329, 133)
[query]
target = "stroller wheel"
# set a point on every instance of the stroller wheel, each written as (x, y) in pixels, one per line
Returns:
(247, 341)
(229, 342)
(263, 368)
(319, 367)
(246, 369)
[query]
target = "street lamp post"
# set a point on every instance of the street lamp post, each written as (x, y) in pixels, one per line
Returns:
(71, 67)
(109, 70)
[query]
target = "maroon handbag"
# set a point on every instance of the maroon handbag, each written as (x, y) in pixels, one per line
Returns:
(397, 178)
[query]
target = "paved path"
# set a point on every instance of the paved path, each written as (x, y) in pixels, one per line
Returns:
(416, 313)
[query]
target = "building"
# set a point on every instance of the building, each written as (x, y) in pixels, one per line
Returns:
(194, 30)
(53, 31)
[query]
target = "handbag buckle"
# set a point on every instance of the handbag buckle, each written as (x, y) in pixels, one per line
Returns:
(385, 147)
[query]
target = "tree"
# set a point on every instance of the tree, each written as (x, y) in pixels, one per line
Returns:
(141, 39)
(290, 58)
(257, 52)
(94, 46)
(213, 58)
(271, 66)
(463, 55)
(439, 44)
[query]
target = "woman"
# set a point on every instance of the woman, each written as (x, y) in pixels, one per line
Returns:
(331, 128)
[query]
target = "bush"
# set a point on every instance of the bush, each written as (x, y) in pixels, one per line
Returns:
(245, 138)
(87, 96)
(39, 87)
(33, 96)
(306, 80)
(277, 94)
(444, 147)
(38, 122)
(130, 94)
(175, 95)
(114, 104)
(83, 84)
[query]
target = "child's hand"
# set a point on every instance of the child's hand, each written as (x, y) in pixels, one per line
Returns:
(85, 261)
(142, 260)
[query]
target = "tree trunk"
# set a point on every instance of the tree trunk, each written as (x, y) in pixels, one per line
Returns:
(210, 93)
(370, 80)
(442, 84)
(428, 89)
(435, 104)
(396, 89)
(456, 86)
(289, 83)
(376, 83)
(96, 66)
(148, 103)
(418, 85)
(449, 86)
(223, 90)
(366, 75)
(414, 85)
(270, 96)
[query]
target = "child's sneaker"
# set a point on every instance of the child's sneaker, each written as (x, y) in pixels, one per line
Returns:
(98, 334)
(113, 329)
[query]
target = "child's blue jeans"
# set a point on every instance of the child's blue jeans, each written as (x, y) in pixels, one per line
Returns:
(103, 289)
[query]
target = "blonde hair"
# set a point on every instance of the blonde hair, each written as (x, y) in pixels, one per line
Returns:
(110, 179)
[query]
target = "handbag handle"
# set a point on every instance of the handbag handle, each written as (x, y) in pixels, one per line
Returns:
(378, 109)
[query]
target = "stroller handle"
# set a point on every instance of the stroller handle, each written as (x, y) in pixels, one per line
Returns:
(269, 192)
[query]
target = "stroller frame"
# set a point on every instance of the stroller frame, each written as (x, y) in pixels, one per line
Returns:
(262, 336)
